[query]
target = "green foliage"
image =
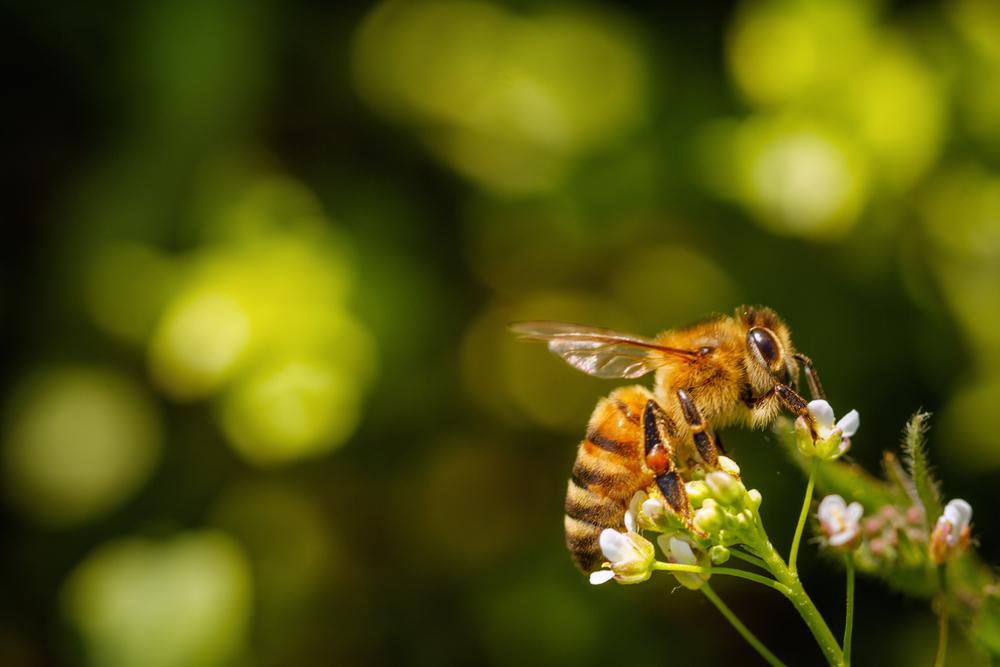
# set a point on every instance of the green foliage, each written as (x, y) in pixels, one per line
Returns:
(918, 465)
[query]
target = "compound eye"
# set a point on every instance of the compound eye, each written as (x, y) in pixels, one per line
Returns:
(766, 344)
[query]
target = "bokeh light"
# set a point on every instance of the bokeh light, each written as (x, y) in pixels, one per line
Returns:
(78, 443)
(179, 602)
(260, 319)
(506, 99)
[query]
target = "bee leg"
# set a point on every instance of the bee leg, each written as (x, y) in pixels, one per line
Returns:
(718, 443)
(661, 459)
(812, 377)
(702, 438)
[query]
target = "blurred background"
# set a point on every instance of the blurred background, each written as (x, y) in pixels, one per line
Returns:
(259, 404)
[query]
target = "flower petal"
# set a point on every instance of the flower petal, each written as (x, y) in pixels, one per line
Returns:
(632, 515)
(615, 546)
(680, 552)
(601, 576)
(958, 512)
(653, 508)
(830, 507)
(823, 414)
(853, 513)
(842, 538)
(849, 423)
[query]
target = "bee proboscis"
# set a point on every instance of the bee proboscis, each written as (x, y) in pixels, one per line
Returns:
(719, 372)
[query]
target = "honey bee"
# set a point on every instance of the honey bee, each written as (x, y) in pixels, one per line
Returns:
(722, 371)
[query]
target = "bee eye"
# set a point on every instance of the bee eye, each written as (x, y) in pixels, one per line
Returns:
(764, 341)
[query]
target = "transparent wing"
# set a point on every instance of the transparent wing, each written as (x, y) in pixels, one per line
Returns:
(600, 352)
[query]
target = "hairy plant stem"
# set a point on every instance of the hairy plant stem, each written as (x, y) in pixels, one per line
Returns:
(803, 515)
(849, 621)
(740, 628)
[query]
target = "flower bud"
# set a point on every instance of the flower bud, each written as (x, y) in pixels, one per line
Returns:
(718, 554)
(950, 537)
(725, 488)
(754, 499)
(697, 492)
(726, 464)
(708, 518)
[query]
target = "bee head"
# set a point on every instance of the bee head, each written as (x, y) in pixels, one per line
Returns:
(769, 357)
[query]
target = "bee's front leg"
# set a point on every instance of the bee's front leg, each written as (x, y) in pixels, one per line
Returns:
(790, 400)
(812, 377)
(703, 439)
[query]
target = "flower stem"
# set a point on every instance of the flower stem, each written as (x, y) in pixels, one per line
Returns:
(942, 611)
(806, 506)
(748, 558)
(733, 572)
(740, 628)
(849, 622)
(804, 605)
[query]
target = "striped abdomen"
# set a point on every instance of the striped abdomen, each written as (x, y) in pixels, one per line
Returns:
(607, 473)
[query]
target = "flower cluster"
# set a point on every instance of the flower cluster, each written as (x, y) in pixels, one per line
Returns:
(724, 514)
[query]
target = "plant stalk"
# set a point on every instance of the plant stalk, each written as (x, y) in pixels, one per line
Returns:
(849, 622)
(803, 515)
(742, 629)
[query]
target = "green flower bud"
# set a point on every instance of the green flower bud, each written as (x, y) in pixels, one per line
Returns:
(697, 492)
(718, 554)
(725, 488)
(708, 518)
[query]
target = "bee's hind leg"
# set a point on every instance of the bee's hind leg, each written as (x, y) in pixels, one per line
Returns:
(660, 457)
(703, 439)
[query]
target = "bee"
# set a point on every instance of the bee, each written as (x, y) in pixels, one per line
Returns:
(719, 372)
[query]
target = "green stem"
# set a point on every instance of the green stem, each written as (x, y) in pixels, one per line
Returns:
(749, 559)
(849, 622)
(804, 605)
(733, 572)
(942, 611)
(740, 628)
(803, 515)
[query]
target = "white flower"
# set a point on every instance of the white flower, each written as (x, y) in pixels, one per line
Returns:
(951, 532)
(841, 522)
(833, 439)
(678, 550)
(630, 558)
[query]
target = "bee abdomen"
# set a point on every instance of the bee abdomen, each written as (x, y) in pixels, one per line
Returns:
(607, 473)
(587, 514)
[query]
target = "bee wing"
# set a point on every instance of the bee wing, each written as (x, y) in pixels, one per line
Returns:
(599, 352)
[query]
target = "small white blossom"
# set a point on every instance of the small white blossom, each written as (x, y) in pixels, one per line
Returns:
(678, 550)
(833, 439)
(630, 557)
(841, 522)
(951, 532)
